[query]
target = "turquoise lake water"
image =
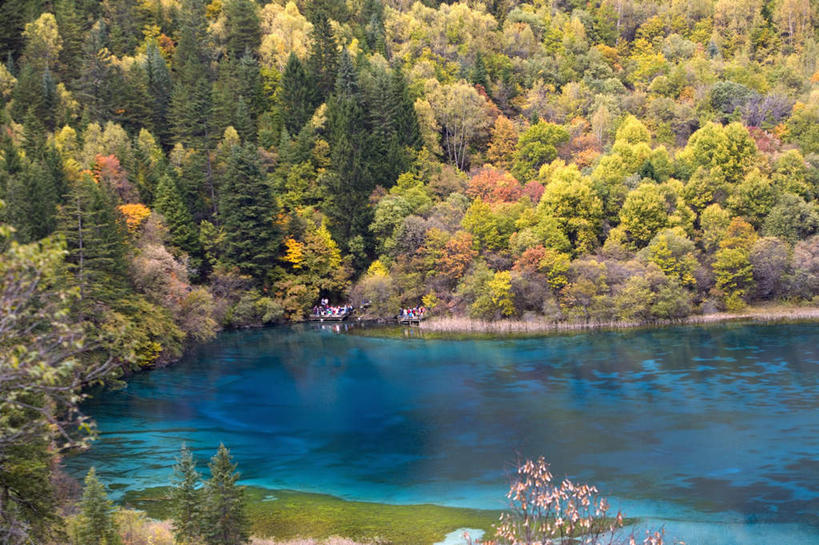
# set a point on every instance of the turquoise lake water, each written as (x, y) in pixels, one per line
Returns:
(711, 432)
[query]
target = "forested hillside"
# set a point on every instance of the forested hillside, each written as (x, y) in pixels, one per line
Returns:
(229, 163)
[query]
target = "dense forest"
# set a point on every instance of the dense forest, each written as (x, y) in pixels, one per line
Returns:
(172, 167)
(227, 164)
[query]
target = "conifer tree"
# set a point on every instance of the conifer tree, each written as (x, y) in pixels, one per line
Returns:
(30, 192)
(28, 93)
(402, 114)
(350, 185)
(96, 522)
(372, 20)
(224, 521)
(184, 235)
(243, 33)
(159, 90)
(479, 75)
(196, 187)
(248, 210)
(250, 87)
(121, 17)
(383, 153)
(95, 85)
(94, 236)
(31, 203)
(242, 120)
(186, 500)
(224, 96)
(324, 58)
(191, 101)
(134, 105)
(297, 95)
(71, 31)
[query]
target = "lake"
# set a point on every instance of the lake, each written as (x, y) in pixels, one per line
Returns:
(712, 432)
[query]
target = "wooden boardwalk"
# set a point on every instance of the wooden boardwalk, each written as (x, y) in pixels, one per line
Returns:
(331, 317)
(410, 320)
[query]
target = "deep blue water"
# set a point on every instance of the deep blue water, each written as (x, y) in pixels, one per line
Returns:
(710, 431)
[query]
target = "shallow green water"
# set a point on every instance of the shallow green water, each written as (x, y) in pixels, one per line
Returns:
(712, 432)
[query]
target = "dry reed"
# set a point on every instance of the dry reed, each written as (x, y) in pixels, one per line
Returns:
(468, 325)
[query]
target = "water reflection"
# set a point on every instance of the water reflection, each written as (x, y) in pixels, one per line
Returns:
(720, 422)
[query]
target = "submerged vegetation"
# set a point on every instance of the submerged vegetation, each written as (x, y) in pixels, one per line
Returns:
(542, 510)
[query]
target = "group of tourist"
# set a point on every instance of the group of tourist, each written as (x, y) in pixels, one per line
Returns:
(414, 313)
(324, 309)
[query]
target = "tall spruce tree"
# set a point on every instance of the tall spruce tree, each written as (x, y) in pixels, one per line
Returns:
(184, 234)
(191, 101)
(350, 185)
(96, 521)
(186, 500)
(224, 521)
(324, 58)
(242, 27)
(297, 95)
(250, 87)
(71, 31)
(95, 84)
(124, 25)
(479, 76)
(31, 200)
(404, 118)
(30, 191)
(95, 241)
(159, 90)
(248, 211)
(372, 21)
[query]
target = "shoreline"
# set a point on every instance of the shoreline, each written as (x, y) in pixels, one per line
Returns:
(469, 326)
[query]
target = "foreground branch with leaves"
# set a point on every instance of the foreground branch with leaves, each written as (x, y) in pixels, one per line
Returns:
(46, 358)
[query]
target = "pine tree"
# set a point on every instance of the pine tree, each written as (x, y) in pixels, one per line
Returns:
(27, 93)
(159, 89)
(242, 28)
(372, 20)
(31, 203)
(11, 31)
(95, 85)
(297, 95)
(30, 193)
(135, 104)
(186, 500)
(479, 75)
(94, 236)
(250, 87)
(96, 521)
(224, 96)
(191, 101)
(196, 187)
(404, 118)
(350, 185)
(70, 25)
(383, 151)
(184, 235)
(224, 520)
(324, 59)
(248, 213)
(121, 16)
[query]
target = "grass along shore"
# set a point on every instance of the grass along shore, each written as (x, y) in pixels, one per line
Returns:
(762, 314)
(287, 515)
(290, 517)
